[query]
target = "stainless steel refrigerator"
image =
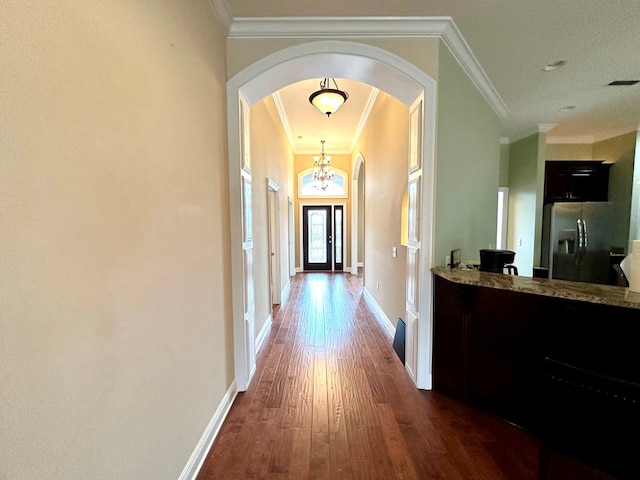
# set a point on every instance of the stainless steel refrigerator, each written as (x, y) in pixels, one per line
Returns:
(577, 241)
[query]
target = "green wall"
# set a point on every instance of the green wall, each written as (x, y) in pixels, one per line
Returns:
(467, 165)
(621, 152)
(526, 184)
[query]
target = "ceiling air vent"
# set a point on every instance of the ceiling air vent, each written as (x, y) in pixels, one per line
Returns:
(624, 82)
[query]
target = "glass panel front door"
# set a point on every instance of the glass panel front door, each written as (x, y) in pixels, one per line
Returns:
(322, 237)
(317, 238)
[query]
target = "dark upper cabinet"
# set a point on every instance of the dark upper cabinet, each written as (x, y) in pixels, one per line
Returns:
(576, 181)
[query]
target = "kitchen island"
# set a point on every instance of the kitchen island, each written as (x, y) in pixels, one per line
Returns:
(498, 338)
(579, 291)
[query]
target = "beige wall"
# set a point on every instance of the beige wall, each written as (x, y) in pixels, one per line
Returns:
(569, 151)
(271, 158)
(116, 342)
(116, 310)
(385, 149)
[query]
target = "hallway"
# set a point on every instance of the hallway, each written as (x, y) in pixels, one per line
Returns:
(331, 400)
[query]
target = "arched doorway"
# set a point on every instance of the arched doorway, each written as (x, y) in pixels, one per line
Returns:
(383, 70)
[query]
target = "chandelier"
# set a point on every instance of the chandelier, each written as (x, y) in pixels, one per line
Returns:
(327, 99)
(322, 172)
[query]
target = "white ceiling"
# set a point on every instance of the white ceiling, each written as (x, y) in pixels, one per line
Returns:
(306, 125)
(512, 40)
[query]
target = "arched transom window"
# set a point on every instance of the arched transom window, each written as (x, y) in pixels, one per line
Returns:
(310, 188)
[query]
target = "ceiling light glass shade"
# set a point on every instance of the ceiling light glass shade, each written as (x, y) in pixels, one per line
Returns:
(328, 100)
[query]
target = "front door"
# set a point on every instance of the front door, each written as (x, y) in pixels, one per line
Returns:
(316, 237)
(322, 242)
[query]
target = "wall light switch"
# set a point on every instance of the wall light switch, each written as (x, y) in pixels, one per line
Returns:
(394, 252)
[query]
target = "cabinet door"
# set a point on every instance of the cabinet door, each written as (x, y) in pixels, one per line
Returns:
(453, 304)
(557, 186)
(569, 181)
(503, 352)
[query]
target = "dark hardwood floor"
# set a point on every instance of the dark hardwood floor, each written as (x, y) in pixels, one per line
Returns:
(331, 400)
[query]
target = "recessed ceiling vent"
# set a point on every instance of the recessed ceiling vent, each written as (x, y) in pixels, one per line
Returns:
(624, 82)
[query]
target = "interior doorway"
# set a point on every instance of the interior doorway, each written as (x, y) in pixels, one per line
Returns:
(273, 211)
(385, 71)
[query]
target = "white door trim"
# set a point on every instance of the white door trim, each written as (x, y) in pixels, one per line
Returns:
(358, 162)
(273, 214)
(292, 237)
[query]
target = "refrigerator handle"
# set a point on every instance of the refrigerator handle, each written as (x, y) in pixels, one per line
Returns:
(582, 241)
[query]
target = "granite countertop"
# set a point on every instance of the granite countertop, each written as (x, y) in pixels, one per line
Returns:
(585, 292)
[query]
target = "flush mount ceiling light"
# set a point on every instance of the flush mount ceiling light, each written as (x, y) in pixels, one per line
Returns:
(554, 65)
(327, 99)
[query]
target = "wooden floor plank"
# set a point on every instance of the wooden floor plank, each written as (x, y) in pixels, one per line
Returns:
(331, 400)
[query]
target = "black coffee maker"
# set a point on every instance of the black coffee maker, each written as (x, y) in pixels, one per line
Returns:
(497, 260)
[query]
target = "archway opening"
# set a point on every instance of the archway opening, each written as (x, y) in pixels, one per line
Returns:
(367, 64)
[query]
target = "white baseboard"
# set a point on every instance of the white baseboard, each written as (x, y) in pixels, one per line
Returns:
(191, 469)
(264, 332)
(379, 313)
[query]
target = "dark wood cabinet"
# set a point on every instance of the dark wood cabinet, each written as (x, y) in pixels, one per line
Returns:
(504, 349)
(566, 370)
(484, 348)
(576, 181)
(489, 344)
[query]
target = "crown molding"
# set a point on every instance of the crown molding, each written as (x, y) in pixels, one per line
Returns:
(277, 100)
(442, 28)
(223, 13)
(365, 116)
(295, 27)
